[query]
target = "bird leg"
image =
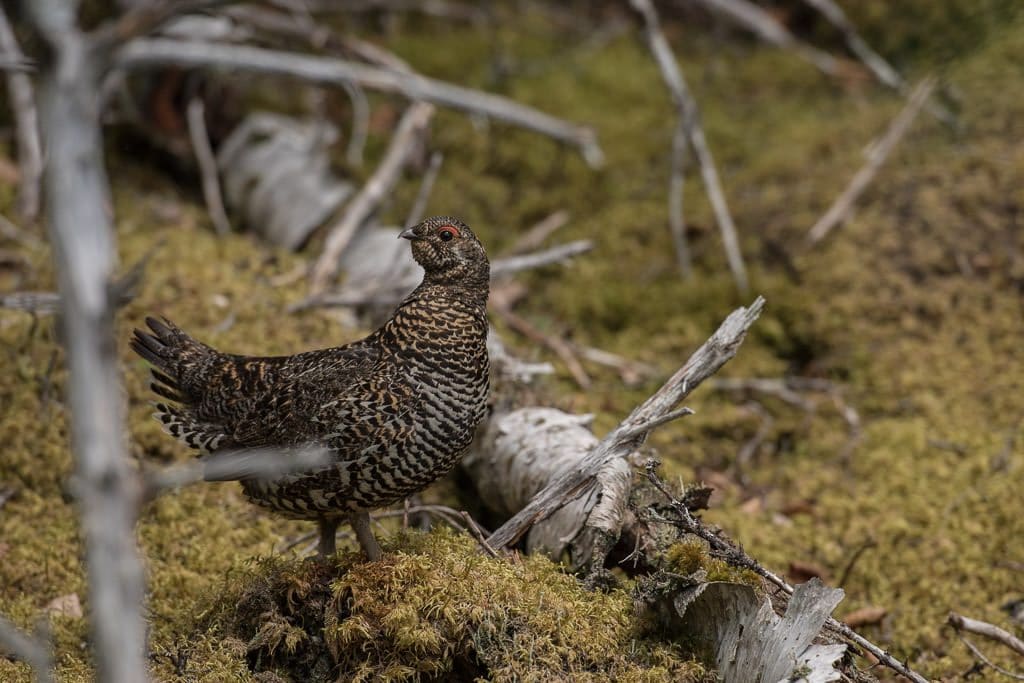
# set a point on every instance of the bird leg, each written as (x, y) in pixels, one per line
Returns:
(327, 527)
(360, 522)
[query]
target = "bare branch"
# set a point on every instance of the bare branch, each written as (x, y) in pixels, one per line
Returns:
(581, 479)
(207, 162)
(559, 346)
(161, 51)
(690, 119)
(676, 185)
(77, 197)
(983, 628)
(23, 102)
(31, 649)
(145, 18)
(410, 129)
(562, 252)
(843, 206)
(536, 234)
(419, 205)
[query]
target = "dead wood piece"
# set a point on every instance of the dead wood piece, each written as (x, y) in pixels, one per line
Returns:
(160, 51)
(508, 366)
(689, 118)
(736, 556)
(276, 174)
(521, 452)
(196, 115)
(582, 479)
(407, 136)
(419, 205)
(843, 206)
(23, 101)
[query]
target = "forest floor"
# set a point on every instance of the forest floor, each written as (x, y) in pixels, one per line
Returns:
(914, 309)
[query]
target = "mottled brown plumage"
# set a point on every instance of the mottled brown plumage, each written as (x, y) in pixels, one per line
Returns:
(397, 409)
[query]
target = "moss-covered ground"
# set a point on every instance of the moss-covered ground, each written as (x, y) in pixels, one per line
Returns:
(913, 308)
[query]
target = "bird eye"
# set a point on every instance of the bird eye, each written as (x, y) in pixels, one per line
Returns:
(447, 232)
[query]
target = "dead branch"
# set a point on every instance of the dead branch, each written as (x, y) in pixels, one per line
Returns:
(77, 197)
(625, 438)
(146, 17)
(986, 661)
(409, 132)
(257, 463)
(563, 252)
(196, 116)
(162, 51)
(535, 235)
(843, 206)
(419, 205)
(737, 557)
(556, 344)
(30, 649)
(23, 103)
(689, 117)
(983, 628)
(676, 185)
(631, 371)
(762, 24)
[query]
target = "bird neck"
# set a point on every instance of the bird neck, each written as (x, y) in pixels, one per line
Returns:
(465, 282)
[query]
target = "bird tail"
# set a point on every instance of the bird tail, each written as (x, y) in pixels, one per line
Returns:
(179, 366)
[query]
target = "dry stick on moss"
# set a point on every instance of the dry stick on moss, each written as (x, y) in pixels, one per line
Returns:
(419, 205)
(77, 197)
(843, 206)
(408, 135)
(736, 556)
(983, 628)
(676, 186)
(33, 650)
(765, 26)
(559, 346)
(690, 120)
(628, 435)
(26, 119)
(196, 116)
(163, 51)
(976, 651)
(535, 235)
(538, 259)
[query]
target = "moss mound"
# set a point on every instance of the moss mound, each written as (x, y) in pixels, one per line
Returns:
(434, 609)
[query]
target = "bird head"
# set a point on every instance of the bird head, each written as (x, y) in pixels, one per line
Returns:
(449, 252)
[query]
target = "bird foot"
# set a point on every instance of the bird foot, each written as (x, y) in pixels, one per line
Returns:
(360, 522)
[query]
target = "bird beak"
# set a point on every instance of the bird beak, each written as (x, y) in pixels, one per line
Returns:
(409, 234)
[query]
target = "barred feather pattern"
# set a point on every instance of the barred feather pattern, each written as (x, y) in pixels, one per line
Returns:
(397, 410)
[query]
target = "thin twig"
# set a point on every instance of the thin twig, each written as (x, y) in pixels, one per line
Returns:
(535, 235)
(410, 130)
(676, 185)
(690, 119)
(162, 51)
(986, 661)
(478, 534)
(31, 649)
(648, 427)
(419, 205)
(557, 254)
(736, 556)
(145, 18)
(983, 628)
(196, 116)
(559, 346)
(359, 131)
(23, 102)
(843, 206)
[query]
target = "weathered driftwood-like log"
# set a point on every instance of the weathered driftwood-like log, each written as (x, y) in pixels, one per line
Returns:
(581, 479)
(521, 452)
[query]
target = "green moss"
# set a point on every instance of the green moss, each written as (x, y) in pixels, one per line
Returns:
(690, 556)
(434, 608)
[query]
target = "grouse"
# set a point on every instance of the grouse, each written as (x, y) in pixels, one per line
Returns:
(395, 411)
